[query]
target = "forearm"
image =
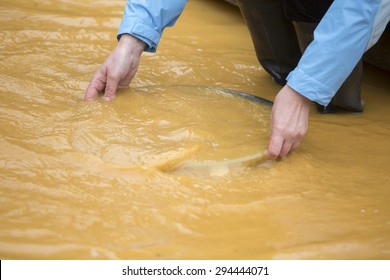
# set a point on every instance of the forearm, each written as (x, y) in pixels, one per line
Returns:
(340, 40)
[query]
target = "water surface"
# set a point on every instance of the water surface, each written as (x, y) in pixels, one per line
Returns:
(79, 180)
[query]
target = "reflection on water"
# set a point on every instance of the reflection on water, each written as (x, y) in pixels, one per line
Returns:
(79, 180)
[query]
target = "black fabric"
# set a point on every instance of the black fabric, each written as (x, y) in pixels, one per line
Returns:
(387, 30)
(306, 10)
(273, 36)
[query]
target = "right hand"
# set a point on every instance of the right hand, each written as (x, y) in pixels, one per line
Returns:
(118, 70)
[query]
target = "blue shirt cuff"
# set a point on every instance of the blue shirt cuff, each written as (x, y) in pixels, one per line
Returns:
(141, 31)
(310, 87)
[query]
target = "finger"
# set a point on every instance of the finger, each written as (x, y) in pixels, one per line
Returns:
(122, 86)
(97, 84)
(111, 87)
(285, 150)
(275, 146)
(125, 82)
(295, 145)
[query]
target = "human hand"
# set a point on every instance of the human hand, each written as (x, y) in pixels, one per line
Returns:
(118, 70)
(289, 122)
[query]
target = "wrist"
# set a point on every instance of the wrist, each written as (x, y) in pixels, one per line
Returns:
(132, 43)
(297, 95)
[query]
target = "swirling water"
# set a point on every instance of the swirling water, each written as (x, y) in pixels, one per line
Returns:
(86, 180)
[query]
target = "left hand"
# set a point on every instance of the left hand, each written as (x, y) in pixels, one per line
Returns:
(289, 122)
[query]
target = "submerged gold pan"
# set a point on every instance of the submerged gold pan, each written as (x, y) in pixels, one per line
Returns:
(178, 129)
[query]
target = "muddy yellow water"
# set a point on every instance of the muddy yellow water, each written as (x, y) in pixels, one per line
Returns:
(148, 175)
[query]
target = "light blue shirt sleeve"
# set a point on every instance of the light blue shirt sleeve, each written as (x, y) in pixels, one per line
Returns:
(146, 19)
(346, 31)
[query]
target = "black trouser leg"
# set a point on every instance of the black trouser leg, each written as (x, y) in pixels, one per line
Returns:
(273, 36)
(348, 97)
(306, 10)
